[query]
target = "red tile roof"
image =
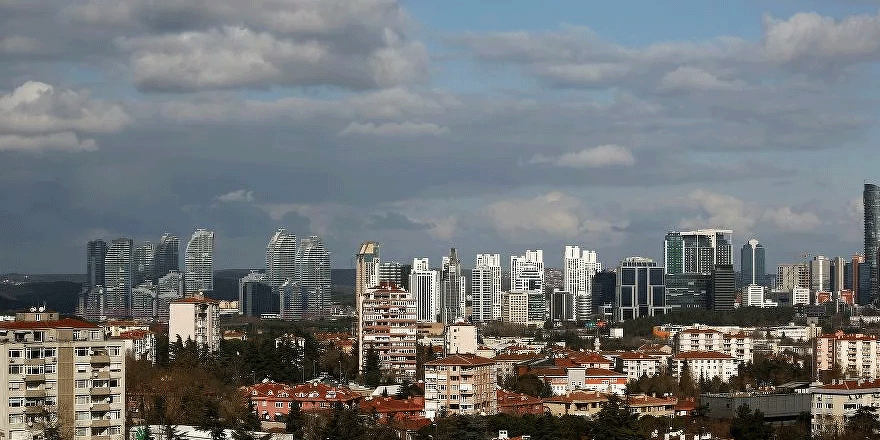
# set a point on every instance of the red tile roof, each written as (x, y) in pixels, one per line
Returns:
(462, 359)
(506, 357)
(635, 356)
(589, 358)
(133, 334)
(303, 392)
(602, 372)
(701, 355)
(644, 400)
(35, 325)
(700, 330)
(197, 299)
(385, 405)
(851, 385)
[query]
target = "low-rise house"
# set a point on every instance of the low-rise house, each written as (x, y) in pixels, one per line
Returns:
(637, 364)
(139, 344)
(389, 408)
(596, 379)
(705, 364)
(506, 364)
(833, 404)
(576, 403)
(644, 405)
(591, 359)
(273, 401)
(519, 404)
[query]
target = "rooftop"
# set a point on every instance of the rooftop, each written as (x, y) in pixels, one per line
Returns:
(701, 355)
(462, 359)
(35, 325)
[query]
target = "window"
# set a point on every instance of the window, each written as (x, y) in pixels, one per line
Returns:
(49, 369)
(15, 386)
(14, 353)
(16, 402)
(15, 419)
(95, 335)
(82, 432)
(82, 415)
(34, 369)
(264, 403)
(82, 368)
(16, 369)
(82, 383)
(35, 353)
(279, 404)
(82, 400)
(115, 430)
(49, 352)
(51, 400)
(82, 351)
(114, 350)
(114, 415)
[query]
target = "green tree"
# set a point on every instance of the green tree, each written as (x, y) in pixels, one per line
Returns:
(686, 385)
(372, 373)
(864, 423)
(748, 425)
(616, 422)
(211, 421)
(295, 422)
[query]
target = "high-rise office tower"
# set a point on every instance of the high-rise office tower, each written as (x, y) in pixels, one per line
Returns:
(857, 277)
(168, 288)
(293, 303)
(424, 285)
(527, 271)
(641, 290)
(96, 252)
(752, 263)
(838, 268)
(871, 199)
(453, 296)
(315, 275)
(791, 276)
(395, 272)
(256, 297)
(723, 295)
(281, 262)
(579, 267)
(143, 260)
(167, 256)
(118, 276)
(697, 251)
(366, 276)
(199, 262)
(486, 288)
(820, 274)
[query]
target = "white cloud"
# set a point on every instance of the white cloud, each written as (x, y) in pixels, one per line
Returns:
(596, 157)
(555, 213)
(237, 196)
(394, 129)
(63, 141)
(36, 107)
(810, 35)
(19, 44)
(725, 211)
(784, 218)
(692, 78)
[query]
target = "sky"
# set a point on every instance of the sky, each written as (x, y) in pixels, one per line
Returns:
(490, 126)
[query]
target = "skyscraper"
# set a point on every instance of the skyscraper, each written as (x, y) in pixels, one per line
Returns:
(395, 272)
(820, 274)
(167, 256)
(255, 296)
(424, 284)
(118, 276)
(199, 262)
(641, 289)
(486, 288)
(579, 267)
(453, 297)
(723, 295)
(143, 260)
(752, 263)
(527, 271)
(281, 262)
(366, 276)
(96, 252)
(871, 200)
(314, 272)
(697, 251)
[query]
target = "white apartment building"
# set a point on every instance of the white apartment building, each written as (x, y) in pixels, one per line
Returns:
(753, 296)
(424, 284)
(855, 354)
(486, 288)
(461, 338)
(281, 259)
(389, 324)
(460, 384)
(196, 318)
(834, 403)
(527, 271)
(199, 262)
(579, 267)
(740, 345)
(800, 295)
(705, 364)
(64, 368)
(635, 364)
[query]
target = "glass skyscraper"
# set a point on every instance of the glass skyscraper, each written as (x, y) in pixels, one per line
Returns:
(314, 272)
(752, 263)
(199, 262)
(871, 200)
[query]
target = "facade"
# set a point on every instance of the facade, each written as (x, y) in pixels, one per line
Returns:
(820, 274)
(168, 288)
(833, 404)
(142, 261)
(562, 306)
(366, 276)
(753, 296)
(600, 380)
(425, 287)
(790, 276)
(486, 288)
(65, 368)
(461, 338)
(118, 277)
(697, 251)
(739, 346)
(199, 262)
(723, 293)
(314, 272)
(397, 273)
(705, 364)
(579, 267)
(167, 256)
(460, 384)
(389, 326)
(143, 301)
(641, 289)
(635, 365)
(281, 264)
(871, 203)
(688, 290)
(453, 289)
(292, 303)
(273, 401)
(527, 271)
(777, 407)
(256, 297)
(96, 252)
(196, 318)
(139, 344)
(856, 355)
(752, 261)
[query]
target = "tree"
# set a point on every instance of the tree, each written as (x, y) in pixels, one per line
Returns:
(686, 385)
(372, 373)
(748, 425)
(616, 422)
(211, 421)
(864, 423)
(295, 422)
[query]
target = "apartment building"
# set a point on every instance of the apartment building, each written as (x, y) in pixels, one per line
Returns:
(60, 371)
(705, 364)
(738, 345)
(197, 318)
(834, 403)
(636, 364)
(855, 354)
(460, 384)
(273, 401)
(389, 325)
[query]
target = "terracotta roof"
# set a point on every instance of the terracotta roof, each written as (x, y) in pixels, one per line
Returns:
(516, 357)
(685, 405)
(197, 299)
(579, 396)
(701, 355)
(462, 359)
(384, 405)
(60, 323)
(851, 385)
(133, 334)
(303, 392)
(548, 371)
(563, 362)
(602, 372)
(644, 400)
(635, 356)
(590, 358)
(700, 330)
(509, 398)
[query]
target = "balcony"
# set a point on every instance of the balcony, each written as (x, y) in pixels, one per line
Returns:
(100, 391)
(35, 378)
(100, 375)
(101, 423)
(100, 407)
(35, 393)
(100, 359)
(33, 409)
(36, 361)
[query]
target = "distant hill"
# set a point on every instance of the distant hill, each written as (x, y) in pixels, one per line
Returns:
(60, 296)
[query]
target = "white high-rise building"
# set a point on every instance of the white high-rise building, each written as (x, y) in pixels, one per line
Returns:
(527, 271)
(486, 288)
(281, 259)
(753, 296)
(424, 284)
(579, 267)
(118, 277)
(196, 318)
(199, 262)
(366, 277)
(314, 273)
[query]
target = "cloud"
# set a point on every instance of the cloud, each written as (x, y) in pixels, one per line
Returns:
(237, 196)
(726, 211)
(394, 129)
(813, 36)
(596, 157)
(692, 78)
(19, 44)
(63, 141)
(36, 107)
(555, 213)
(393, 221)
(784, 218)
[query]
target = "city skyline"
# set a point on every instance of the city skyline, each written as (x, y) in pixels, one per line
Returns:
(484, 128)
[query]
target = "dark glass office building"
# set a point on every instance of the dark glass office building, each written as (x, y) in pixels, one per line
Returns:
(871, 200)
(641, 290)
